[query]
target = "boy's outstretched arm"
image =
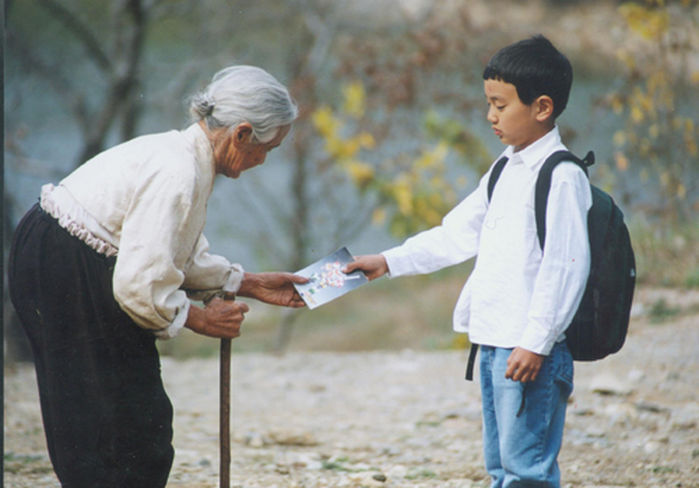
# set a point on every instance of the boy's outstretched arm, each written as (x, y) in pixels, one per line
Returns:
(373, 265)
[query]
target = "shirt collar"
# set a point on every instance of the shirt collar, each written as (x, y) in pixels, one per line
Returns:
(200, 142)
(533, 155)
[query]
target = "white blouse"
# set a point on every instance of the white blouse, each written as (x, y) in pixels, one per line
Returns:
(515, 296)
(144, 201)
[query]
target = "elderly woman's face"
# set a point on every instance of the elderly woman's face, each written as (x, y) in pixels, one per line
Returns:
(235, 152)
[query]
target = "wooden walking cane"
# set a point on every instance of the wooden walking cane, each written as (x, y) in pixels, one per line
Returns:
(225, 413)
(224, 401)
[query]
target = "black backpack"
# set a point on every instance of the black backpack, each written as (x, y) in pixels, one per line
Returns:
(600, 324)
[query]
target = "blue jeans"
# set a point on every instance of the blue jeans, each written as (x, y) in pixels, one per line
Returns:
(521, 440)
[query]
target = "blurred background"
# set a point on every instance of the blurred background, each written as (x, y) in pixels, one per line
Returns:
(391, 133)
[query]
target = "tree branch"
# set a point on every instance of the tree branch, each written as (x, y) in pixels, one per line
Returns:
(79, 30)
(73, 98)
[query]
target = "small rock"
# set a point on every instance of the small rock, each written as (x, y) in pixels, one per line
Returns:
(649, 407)
(651, 447)
(685, 417)
(254, 439)
(636, 375)
(293, 438)
(596, 432)
(397, 471)
(607, 384)
(366, 480)
(621, 411)
(307, 460)
(391, 451)
(637, 310)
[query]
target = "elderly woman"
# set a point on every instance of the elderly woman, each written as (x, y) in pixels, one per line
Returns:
(108, 261)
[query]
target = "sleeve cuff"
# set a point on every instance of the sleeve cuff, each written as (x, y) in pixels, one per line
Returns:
(177, 324)
(398, 263)
(235, 279)
(537, 340)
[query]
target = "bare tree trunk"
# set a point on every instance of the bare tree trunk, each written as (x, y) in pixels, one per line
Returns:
(300, 230)
(119, 63)
(130, 25)
(304, 63)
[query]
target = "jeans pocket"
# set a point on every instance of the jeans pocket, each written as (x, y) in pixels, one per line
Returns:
(565, 385)
(564, 370)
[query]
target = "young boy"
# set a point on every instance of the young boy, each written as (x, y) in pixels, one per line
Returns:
(518, 300)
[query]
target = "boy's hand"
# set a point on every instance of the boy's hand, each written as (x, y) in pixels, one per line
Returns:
(373, 265)
(523, 365)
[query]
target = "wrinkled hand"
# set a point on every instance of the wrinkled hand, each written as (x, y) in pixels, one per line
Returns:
(373, 265)
(523, 365)
(219, 318)
(273, 288)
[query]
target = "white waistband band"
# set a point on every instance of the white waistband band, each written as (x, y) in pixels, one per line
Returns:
(60, 204)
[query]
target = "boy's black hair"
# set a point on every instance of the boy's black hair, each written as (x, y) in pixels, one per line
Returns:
(535, 67)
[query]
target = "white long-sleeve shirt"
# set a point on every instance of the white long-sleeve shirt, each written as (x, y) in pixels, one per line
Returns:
(145, 202)
(516, 295)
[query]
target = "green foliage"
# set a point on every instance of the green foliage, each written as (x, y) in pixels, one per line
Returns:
(692, 280)
(661, 311)
(659, 130)
(26, 464)
(337, 465)
(460, 139)
(421, 474)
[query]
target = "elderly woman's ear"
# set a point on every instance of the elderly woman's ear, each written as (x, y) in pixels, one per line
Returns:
(242, 133)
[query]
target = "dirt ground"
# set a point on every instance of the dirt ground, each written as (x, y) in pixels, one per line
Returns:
(408, 418)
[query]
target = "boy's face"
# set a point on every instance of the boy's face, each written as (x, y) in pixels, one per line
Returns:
(512, 121)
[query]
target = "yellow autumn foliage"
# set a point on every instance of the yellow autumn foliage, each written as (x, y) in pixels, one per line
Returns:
(325, 121)
(649, 23)
(360, 172)
(403, 195)
(354, 99)
(622, 162)
(619, 138)
(658, 135)
(412, 188)
(366, 140)
(433, 158)
(378, 216)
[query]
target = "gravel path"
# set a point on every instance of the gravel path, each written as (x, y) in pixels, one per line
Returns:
(404, 419)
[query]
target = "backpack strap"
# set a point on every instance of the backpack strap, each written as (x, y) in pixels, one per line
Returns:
(495, 174)
(543, 185)
(471, 360)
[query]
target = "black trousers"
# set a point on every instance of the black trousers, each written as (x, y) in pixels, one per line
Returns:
(107, 418)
